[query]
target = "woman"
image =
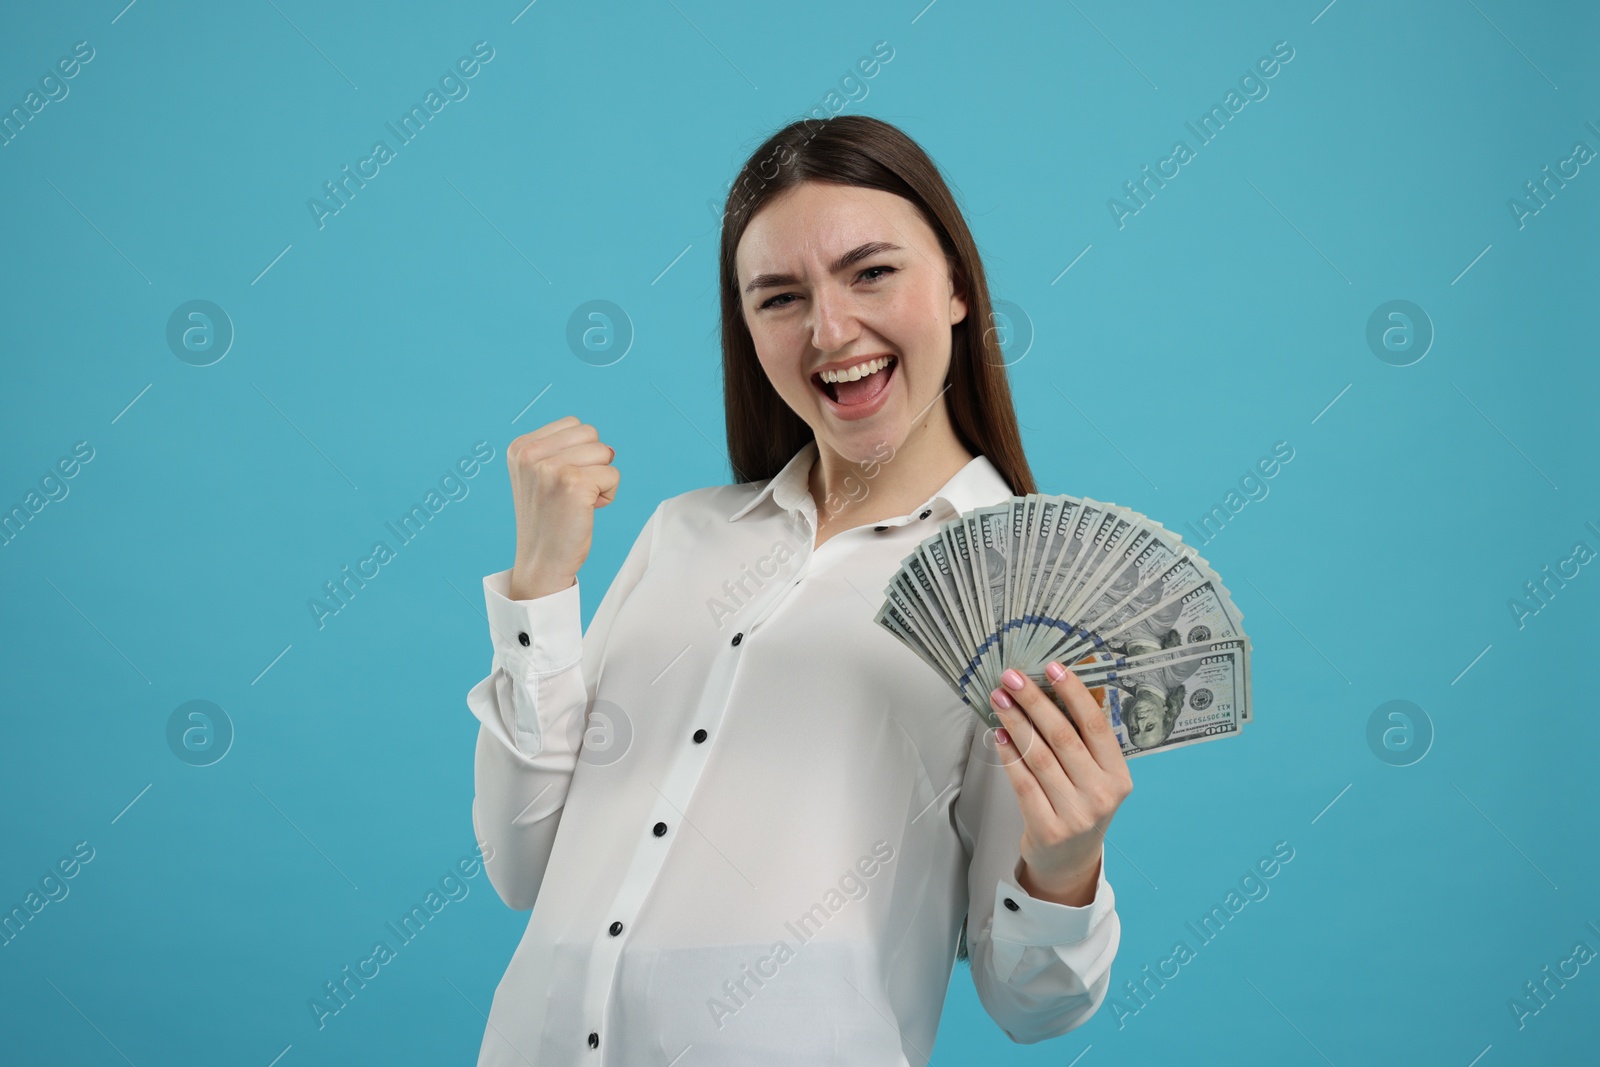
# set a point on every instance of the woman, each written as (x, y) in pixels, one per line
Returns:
(768, 841)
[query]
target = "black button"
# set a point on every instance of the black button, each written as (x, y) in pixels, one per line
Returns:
(925, 514)
(523, 638)
(1012, 904)
(699, 736)
(737, 638)
(659, 828)
(594, 1040)
(616, 928)
(880, 529)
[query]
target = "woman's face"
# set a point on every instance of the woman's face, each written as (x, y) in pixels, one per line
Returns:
(832, 277)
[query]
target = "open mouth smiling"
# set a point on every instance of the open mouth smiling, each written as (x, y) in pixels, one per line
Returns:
(857, 385)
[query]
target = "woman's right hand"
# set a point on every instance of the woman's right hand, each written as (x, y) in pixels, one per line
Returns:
(560, 473)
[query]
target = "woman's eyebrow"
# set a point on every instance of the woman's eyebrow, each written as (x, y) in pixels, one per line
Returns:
(849, 259)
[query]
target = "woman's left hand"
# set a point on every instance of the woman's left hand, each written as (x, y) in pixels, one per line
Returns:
(1070, 778)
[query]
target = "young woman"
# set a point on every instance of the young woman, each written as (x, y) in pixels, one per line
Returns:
(752, 826)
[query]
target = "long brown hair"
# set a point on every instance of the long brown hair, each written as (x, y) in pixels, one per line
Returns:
(764, 433)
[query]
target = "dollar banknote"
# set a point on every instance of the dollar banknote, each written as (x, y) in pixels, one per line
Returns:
(1140, 617)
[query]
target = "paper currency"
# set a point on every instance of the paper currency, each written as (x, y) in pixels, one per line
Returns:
(1140, 617)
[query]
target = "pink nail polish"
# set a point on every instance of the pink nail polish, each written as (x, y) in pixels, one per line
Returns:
(1054, 671)
(1002, 698)
(1012, 679)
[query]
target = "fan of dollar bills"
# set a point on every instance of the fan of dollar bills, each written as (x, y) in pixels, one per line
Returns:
(1134, 612)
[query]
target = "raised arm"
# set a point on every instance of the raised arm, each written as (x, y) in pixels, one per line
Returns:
(532, 708)
(533, 704)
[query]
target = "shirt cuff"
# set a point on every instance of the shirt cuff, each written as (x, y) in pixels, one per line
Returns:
(539, 636)
(1026, 920)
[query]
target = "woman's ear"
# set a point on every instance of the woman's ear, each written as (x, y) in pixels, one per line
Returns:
(958, 299)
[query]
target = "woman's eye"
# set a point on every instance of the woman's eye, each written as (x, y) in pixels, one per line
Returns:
(774, 301)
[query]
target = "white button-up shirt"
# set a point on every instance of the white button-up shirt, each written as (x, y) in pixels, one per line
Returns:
(749, 821)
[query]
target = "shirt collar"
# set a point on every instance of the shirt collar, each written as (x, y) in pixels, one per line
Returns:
(975, 485)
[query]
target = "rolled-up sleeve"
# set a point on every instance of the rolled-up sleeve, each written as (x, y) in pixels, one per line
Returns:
(1040, 968)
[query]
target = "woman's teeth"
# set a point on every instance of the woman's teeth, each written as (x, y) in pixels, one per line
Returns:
(860, 384)
(859, 371)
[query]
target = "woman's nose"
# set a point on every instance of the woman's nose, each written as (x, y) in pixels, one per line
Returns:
(833, 323)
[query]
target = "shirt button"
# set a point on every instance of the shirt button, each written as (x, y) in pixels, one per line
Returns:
(737, 638)
(699, 736)
(594, 1040)
(659, 828)
(880, 529)
(523, 638)
(616, 928)
(1012, 904)
(925, 514)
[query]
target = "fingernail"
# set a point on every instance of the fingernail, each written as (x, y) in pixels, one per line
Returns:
(1012, 679)
(1054, 671)
(1001, 698)
(1001, 737)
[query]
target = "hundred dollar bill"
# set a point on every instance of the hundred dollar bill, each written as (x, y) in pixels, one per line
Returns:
(1191, 608)
(962, 539)
(914, 581)
(993, 573)
(1047, 533)
(891, 619)
(1196, 695)
(1205, 706)
(1134, 611)
(1191, 614)
(1062, 637)
(1074, 550)
(1023, 539)
(1119, 527)
(940, 568)
(1170, 699)
(911, 612)
(1144, 562)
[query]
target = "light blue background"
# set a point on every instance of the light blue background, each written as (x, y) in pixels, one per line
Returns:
(427, 314)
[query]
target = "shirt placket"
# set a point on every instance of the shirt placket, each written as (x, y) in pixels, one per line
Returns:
(667, 815)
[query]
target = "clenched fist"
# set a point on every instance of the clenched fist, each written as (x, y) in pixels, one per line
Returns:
(560, 473)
